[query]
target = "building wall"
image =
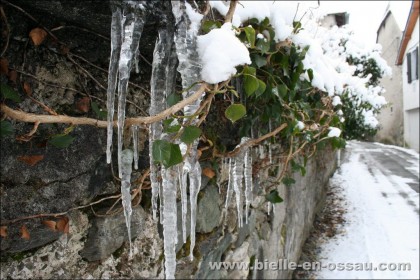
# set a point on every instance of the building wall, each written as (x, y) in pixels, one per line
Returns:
(411, 97)
(391, 118)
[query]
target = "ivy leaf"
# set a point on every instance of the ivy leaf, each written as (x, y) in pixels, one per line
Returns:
(166, 153)
(61, 140)
(288, 181)
(6, 129)
(282, 90)
(208, 25)
(190, 134)
(9, 93)
(235, 111)
(169, 126)
(173, 99)
(258, 60)
(263, 45)
(310, 74)
(250, 81)
(261, 88)
(274, 197)
(250, 35)
(102, 114)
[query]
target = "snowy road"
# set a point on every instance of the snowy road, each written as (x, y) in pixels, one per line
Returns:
(380, 187)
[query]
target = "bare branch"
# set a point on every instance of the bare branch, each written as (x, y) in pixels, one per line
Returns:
(229, 15)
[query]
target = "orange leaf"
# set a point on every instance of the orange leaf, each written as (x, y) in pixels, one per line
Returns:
(25, 233)
(50, 224)
(4, 66)
(209, 172)
(3, 231)
(12, 75)
(27, 88)
(38, 36)
(83, 104)
(31, 160)
(63, 224)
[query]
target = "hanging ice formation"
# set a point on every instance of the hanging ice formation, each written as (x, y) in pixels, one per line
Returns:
(240, 169)
(190, 68)
(126, 28)
(126, 169)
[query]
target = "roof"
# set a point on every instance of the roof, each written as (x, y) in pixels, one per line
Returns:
(382, 24)
(409, 27)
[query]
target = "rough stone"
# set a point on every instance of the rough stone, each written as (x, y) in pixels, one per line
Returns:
(208, 211)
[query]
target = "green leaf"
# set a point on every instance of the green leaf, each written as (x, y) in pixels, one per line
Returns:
(102, 114)
(6, 129)
(258, 60)
(173, 99)
(166, 153)
(190, 134)
(310, 74)
(9, 93)
(208, 25)
(338, 143)
(261, 88)
(288, 181)
(250, 81)
(235, 111)
(250, 35)
(263, 45)
(274, 197)
(61, 140)
(282, 90)
(169, 126)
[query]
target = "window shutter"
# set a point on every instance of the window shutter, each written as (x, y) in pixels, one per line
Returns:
(409, 67)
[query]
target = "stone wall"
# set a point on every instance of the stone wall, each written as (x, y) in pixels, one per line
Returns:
(97, 247)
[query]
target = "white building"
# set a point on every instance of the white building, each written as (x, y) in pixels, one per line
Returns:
(408, 57)
(391, 118)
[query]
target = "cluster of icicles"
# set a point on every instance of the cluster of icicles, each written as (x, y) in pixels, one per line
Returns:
(172, 47)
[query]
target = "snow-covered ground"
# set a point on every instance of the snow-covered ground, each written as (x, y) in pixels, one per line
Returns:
(380, 186)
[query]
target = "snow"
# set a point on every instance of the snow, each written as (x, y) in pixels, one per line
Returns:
(300, 125)
(220, 52)
(334, 132)
(381, 224)
(336, 101)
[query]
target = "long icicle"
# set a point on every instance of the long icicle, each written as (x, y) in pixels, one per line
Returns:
(190, 68)
(126, 167)
(248, 181)
(158, 91)
(135, 130)
(116, 31)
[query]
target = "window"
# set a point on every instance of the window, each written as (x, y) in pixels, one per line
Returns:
(413, 65)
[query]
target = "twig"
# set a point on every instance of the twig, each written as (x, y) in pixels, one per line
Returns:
(80, 28)
(3, 15)
(229, 15)
(7, 222)
(29, 117)
(86, 72)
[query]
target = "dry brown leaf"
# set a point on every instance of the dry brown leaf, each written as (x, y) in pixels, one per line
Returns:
(4, 66)
(3, 231)
(12, 75)
(199, 153)
(27, 88)
(38, 36)
(209, 172)
(50, 224)
(31, 160)
(25, 233)
(83, 104)
(63, 224)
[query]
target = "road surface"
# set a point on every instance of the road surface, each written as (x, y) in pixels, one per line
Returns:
(380, 187)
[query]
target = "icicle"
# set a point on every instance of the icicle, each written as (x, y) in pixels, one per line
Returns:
(248, 181)
(162, 203)
(184, 203)
(190, 68)
(170, 233)
(133, 27)
(237, 177)
(126, 167)
(135, 130)
(116, 27)
(269, 205)
(161, 65)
